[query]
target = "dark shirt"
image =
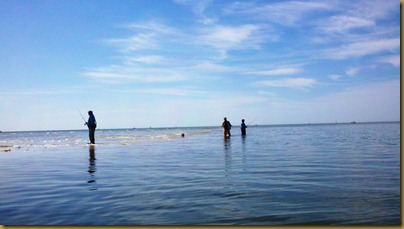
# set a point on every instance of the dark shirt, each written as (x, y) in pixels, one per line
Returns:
(91, 122)
(226, 125)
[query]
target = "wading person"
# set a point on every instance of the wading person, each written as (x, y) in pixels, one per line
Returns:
(226, 126)
(243, 128)
(91, 124)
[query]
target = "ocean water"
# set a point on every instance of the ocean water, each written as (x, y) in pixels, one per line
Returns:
(335, 174)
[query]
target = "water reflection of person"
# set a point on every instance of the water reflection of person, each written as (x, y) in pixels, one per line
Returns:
(227, 155)
(243, 149)
(92, 167)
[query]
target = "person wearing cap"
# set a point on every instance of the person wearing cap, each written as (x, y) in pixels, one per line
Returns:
(91, 124)
(226, 126)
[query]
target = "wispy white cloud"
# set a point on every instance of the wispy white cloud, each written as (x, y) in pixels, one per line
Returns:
(39, 92)
(277, 71)
(363, 48)
(367, 9)
(149, 35)
(334, 77)
(392, 59)
(267, 93)
(344, 23)
(141, 61)
(152, 26)
(170, 91)
(149, 59)
(129, 73)
(352, 71)
(214, 67)
(287, 13)
(150, 90)
(144, 60)
(356, 29)
(231, 37)
(349, 15)
(298, 83)
(134, 42)
(199, 8)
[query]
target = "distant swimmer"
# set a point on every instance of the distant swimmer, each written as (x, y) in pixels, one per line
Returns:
(243, 128)
(226, 126)
(91, 124)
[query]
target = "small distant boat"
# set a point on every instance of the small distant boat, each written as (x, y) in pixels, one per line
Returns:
(353, 122)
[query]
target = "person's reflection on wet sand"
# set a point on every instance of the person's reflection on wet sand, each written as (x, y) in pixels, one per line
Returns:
(92, 167)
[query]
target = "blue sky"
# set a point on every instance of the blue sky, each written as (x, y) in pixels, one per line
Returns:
(156, 63)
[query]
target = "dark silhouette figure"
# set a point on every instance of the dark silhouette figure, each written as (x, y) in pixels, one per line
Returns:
(91, 124)
(226, 126)
(92, 167)
(243, 128)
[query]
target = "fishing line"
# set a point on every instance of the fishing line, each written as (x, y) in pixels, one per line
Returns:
(251, 121)
(82, 116)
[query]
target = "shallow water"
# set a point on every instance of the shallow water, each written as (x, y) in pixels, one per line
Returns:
(277, 175)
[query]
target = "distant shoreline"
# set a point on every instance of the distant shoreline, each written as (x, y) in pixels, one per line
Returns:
(190, 127)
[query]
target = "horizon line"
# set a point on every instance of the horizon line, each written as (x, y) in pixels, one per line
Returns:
(179, 127)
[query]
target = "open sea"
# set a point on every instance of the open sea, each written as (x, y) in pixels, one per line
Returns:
(328, 174)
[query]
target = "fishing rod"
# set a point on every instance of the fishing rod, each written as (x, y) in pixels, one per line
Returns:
(85, 122)
(251, 121)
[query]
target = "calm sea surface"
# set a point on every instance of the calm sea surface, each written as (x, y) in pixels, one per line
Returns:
(337, 174)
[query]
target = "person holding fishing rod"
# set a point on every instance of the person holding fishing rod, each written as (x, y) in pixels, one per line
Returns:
(91, 124)
(243, 127)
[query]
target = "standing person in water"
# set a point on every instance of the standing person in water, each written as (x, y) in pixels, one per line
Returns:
(91, 124)
(226, 126)
(243, 128)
